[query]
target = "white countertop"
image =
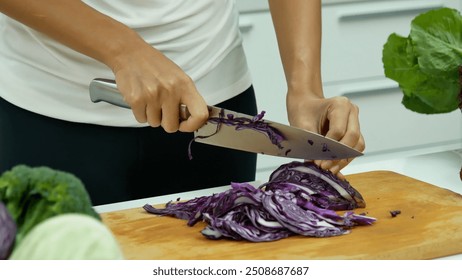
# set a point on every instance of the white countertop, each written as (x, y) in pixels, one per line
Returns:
(440, 168)
(437, 168)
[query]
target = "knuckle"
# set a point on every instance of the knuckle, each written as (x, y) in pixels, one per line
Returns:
(203, 116)
(172, 83)
(133, 99)
(151, 92)
(341, 100)
(336, 133)
(356, 135)
(183, 79)
(361, 146)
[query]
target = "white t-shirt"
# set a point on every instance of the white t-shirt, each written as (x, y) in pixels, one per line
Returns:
(201, 36)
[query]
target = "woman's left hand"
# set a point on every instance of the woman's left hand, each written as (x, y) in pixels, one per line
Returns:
(336, 118)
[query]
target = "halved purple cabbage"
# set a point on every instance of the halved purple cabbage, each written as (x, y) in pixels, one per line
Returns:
(300, 198)
(323, 188)
(7, 232)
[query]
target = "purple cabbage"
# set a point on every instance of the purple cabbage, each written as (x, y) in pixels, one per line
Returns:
(282, 206)
(215, 205)
(237, 225)
(300, 198)
(323, 188)
(7, 232)
(256, 123)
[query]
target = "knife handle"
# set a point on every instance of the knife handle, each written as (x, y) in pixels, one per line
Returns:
(106, 90)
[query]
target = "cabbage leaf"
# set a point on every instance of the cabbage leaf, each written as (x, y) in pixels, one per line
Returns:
(426, 63)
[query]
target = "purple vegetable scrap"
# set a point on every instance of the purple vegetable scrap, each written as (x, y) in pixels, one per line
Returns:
(395, 213)
(256, 123)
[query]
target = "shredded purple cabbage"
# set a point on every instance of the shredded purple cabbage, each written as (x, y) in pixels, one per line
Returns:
(256, 123)
(299, 199)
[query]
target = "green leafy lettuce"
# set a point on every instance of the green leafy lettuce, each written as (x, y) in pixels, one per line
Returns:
(34, 194)
(426, 63)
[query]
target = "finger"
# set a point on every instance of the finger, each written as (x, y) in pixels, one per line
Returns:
(334, 168)
(196, 120)
(340, 176)
(198, 111)
(154, 115)
(170, 117)
(352, 133)
(139, 108)
(338, 117)
(352, 137)
(139, 111)
(131, 95)
(336, 165)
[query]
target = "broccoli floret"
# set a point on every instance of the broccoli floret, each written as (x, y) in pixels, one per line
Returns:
(34, 194)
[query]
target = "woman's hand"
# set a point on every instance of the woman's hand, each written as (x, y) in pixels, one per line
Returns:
(335, 117)
(155, 87)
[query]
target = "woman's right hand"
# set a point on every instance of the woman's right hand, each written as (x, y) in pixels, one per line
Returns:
(155, 87)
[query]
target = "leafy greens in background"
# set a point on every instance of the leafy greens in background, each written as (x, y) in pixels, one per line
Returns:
(426, 63)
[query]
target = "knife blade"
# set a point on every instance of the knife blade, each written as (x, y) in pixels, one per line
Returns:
(234, 130)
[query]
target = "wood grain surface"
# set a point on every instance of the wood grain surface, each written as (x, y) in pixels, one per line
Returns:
(429, 226)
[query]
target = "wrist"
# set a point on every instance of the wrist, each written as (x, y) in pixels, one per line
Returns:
(305, 89)
(305, 83)
(122, 49)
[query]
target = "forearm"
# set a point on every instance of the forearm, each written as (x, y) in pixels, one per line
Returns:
(76, 25)
(298, 29)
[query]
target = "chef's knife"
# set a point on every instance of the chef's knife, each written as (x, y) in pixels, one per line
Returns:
(295, 142)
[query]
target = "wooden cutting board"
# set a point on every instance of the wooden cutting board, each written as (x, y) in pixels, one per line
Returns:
(429, 226)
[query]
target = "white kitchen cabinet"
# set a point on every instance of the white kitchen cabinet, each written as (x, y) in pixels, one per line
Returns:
(265, 64)
(388, 127)
(353, 36)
